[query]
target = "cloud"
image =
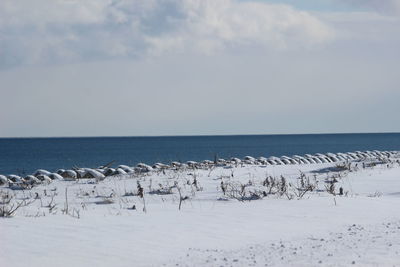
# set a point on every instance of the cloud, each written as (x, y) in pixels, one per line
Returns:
(391, 7)
(211, 25)
(59, 31)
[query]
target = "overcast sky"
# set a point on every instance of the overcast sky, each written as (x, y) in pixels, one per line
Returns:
(190, 67)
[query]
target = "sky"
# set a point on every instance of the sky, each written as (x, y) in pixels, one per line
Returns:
(198, 67)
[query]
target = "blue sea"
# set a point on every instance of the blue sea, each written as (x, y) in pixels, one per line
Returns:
(25, 155)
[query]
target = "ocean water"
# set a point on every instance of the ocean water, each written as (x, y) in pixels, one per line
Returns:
(25, 155)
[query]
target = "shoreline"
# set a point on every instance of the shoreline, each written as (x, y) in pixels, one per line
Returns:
(189, 216)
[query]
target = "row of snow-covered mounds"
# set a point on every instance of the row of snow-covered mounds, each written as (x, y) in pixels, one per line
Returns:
(285, 160)
(16, 182)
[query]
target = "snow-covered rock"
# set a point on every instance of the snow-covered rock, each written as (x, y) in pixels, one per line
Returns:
(91, 173)
(60, 171)
(126, 168)
(119, 171)
(3, 180)
(69, 174)
(14, 178)
(32, 180)
(41, 172)
(55, 176)
(44, 178)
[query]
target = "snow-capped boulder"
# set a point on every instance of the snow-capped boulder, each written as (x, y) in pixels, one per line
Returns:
(55, 176)
(3, 180)
(249, 159)
(379, 153)
(32, 180)
(352, 155)
(341, 158)
(334, 159)
(80, 173)
(176, 164)
(317, 160)
(14, 178)
(126, 168)
(236, 160)
(91, 173)
(142, 165)
(221, 162)
(60, 171)
(159, 165)
(44, 179)
(191, 163)
(305, 161)
(323, 159)
(311, 160)
(119, 171)
(41, 172)
(146, 168)
(69, 174)
(300, 159)
(109, 172)
(208, 162)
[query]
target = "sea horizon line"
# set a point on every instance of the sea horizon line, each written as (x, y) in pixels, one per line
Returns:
(192, 135)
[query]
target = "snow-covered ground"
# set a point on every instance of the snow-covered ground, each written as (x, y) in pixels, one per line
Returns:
(254, 223)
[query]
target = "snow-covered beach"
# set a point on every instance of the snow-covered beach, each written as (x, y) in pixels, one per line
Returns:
(237, 212)
(138, 133)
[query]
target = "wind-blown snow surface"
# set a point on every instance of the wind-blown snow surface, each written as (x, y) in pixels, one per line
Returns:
(360, 228)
